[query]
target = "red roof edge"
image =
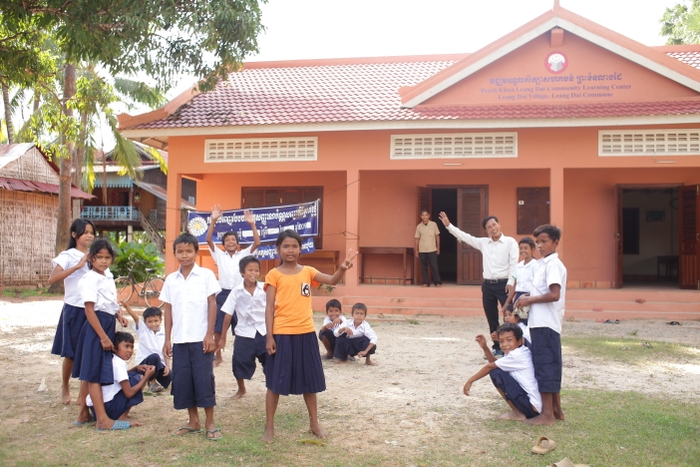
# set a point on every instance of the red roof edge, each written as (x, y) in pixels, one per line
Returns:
(127, 121)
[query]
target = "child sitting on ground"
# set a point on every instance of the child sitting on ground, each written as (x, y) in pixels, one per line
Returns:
(333, 320)
(356, 337)
(151, 336)
(125, 392)
(513, 375)
(248, 301)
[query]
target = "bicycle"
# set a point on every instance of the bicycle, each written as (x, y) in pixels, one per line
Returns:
(149, 289)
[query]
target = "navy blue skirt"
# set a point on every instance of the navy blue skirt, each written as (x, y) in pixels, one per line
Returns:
(92, 363)
(296, 366)
(68, 330)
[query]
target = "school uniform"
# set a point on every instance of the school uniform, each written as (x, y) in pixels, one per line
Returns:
(229, 278)
(526, 333)
(544, 321)
(251, 331)
(92, 362)
(524, 274)
(72, 316)
(329, 333)
(193, 370)
(361, 337)
(515, 376)
(115, 401)
(150, 351)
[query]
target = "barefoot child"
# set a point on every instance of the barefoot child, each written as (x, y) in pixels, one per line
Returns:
(513, 375)
(70, 266)
(227, 263)
(151, 335)
(294, 362)
(189, 296)
(356, 338)
(126, 388)
(93, 357)
(248, 301)
(546, 313)
(333, 320)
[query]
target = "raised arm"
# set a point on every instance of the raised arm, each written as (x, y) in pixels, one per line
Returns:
(58, 273)
(131, 312)
(250, 219)
(215, 214)
(461, 236)
(335, 278)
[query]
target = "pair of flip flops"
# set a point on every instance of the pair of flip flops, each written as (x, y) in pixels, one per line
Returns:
(118, 425)
(211, 434)
(545, 445)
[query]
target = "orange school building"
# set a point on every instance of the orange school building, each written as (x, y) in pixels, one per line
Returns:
(560, 121)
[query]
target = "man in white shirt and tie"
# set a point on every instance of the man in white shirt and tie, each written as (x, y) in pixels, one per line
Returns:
(500, 258)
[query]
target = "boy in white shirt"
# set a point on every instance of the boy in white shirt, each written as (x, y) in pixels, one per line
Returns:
(151, 340)
(227, 263)
(355, 338)
(524, 273)
(189, 296)
(248, 301)
(334, 319)
(513, 374)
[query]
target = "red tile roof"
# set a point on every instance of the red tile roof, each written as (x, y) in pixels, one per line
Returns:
(690, 57)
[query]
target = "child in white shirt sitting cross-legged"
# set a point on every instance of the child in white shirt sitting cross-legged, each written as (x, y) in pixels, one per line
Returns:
(355, 338)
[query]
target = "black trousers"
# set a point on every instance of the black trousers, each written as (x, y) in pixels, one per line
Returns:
(429, 259)
(493, 293)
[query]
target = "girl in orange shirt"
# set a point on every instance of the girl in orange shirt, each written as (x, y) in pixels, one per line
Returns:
(294, 360)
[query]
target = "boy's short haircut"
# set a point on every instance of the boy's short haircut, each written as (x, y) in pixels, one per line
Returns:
(510, 327)
(245, 261)
(152, 312)
(527, 241)
(186, 239)
(551, 230)
(121, 336)
(359, 306)
(333, 303)
(228, 234)
(486, 219)
(425, 211)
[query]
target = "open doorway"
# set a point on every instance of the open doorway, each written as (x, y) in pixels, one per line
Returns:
(445, 199)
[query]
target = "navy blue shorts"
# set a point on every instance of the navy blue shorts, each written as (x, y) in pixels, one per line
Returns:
(193, 376)
(154, 359)
(295, 368)
(92, 363)
(345, 346)
(120, 403)
(220, 315)
(545, 346)
(328, 334)
(245, 351)
(513, 391)
(68, 331)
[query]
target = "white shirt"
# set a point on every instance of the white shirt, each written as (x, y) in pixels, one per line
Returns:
(100, 290)
(149, 342)
(499, 258)
(550, 270)
(518, 364)
(526, 331)
(121, 373)
(327, 320)
(250, 309)
(524, 273)
(189, 299)
(229, 273)
(67, 259)
(364, 329)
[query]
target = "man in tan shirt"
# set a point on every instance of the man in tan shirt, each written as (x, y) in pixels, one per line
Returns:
(428, 248)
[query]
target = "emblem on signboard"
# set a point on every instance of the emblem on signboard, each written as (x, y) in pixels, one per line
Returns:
(556, 62)
(197, 226)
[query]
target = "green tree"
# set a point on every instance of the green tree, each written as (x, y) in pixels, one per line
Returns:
(681, 23)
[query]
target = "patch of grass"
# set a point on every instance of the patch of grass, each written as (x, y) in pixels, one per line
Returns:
(20, 292)
(632, 351)
(412, 321)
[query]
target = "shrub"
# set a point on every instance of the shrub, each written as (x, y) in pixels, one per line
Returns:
(137, 257)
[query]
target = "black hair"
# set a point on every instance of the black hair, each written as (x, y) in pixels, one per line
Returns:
(527, 241)
(186, 239)
(122, 337)
(289, 233)
(245, 261)
(229, 234)
(510, 327)
(359, 306)
(151, 312)
(486, 219)
(425, 211)
(78, 228)
(551, 230)
(99, 245)
(333, 303)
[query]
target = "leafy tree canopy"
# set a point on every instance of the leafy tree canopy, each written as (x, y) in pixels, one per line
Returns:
(681, 23)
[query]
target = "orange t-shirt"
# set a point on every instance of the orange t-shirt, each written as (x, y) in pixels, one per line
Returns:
(293, 313)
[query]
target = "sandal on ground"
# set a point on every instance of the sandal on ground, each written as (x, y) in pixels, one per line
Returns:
(156, 387)
(118, 425)
(213, 436)
(188, 430)
(674, 323)
(566, 462)
(544, 445)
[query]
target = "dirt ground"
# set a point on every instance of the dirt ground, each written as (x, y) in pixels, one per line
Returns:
(416, 387)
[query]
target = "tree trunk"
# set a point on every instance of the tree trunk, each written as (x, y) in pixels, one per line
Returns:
(8, 114)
